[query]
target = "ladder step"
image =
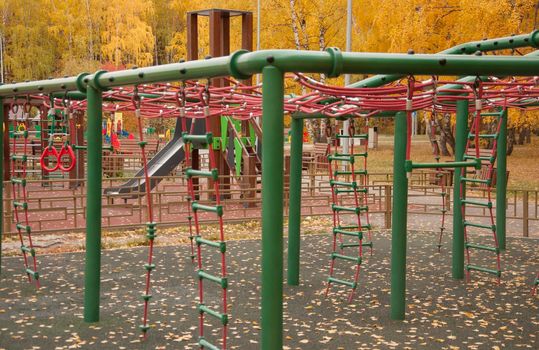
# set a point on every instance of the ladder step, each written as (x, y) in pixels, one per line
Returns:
(342, 183)
(490, 159)
(32, 273)
(222, 281)
(21, 157)
(341, 158)
(473, 224)
(355, 210)
(31, 251)
(483, 136)
(203, 343)
(222, 317)
(218, 209)
(480, 181)
(217, 244)
(213, 174)
(23, 227)
(497, 273)
(482, 247)
(352, 227)
(355, 259)
(358, 234)
(478, 203)
(356, 172)
(492, 114)
(357, 190)
(360, 154)
(352, 245)
(19, 181)
(356, 136)
(23, 205)
(345, 283)
(200, 139)
(24, 134)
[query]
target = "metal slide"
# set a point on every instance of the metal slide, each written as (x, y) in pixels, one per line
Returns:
(162, 164)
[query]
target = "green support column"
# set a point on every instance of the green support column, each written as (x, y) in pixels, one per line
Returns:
(294, 205)
(399, 221)
(461, 132)
(501, 182)
(272, 209)
(1, 178)
(92, 270)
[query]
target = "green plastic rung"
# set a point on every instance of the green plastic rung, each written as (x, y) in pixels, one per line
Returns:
(346, 283)
(483, 136)
(146, 297)
(478, 203)
(151, 230)
(355, 259)
(218, 209)
(473, 224)
(20, 157)
(342, 183)
(222, 317)
(341, 158)
(23, 205)
(361, 154)
(32, 273)
(357, 190)
(492, 114)
(149, 267)
(356, 136)
(21, 133)
(355, 210)
(144, 328)
(207, 345)
(480, 181)
(31, 251)
(356, 172)
(202, 139)
(352, 227)
(217, 244)
(497, 273)
(482, 247)
(222, 281)
(142, 144)
(213, 174)
(19, 181)
(490, 159)
(352, 245)
(358, 234)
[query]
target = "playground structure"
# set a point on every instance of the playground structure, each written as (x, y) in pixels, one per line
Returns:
(152, 96)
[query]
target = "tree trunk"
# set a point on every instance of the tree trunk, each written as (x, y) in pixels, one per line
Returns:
(446, 134)
(510, 140)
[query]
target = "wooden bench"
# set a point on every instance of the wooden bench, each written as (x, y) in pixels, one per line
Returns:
(316, 157)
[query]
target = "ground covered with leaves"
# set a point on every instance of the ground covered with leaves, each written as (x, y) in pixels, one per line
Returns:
(442, 313)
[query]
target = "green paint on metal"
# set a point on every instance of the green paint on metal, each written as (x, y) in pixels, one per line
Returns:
(399, 221)
(1, 178)
(501, 182)
(272, 209)
(238, 150)
(294, 208)
(457, 268)
(224, 132)
(92, 270)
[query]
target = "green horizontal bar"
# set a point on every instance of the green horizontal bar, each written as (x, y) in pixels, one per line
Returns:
(23, 205)
(213, 174)
(218, 209)
(356, 210)
(356, 172)
(222, 281)
(19, 181)
(358, 234)
(493, 114)
(497, 273)
(345, 283)
(488, 227)
(206, 344)
(482, 247)
(32, 273)
(465, 179)
(409, 165)
(217, 244)
(361, 154)
(341, 158)
(342, 183)
(352, 227)
(358, 136)
(484, 158)
(222, 317)
(201, 139)
(352, 245)
(21, 133)
(23, 157)
(483, 136)
(25, 249)
(355, 259)
(357, 190)
(478, 203)
(22, 227)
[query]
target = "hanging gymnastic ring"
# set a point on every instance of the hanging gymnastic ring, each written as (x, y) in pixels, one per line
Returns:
(49, 151)
(67, 150)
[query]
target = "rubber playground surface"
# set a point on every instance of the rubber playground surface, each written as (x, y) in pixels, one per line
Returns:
(442, 313)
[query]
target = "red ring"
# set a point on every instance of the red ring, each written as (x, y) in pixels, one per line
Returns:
(72, 159)
(49, 151)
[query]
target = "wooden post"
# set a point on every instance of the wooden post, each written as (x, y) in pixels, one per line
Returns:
(525, 214)
(387, 211)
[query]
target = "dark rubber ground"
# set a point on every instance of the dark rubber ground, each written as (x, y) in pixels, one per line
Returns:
(442, 313)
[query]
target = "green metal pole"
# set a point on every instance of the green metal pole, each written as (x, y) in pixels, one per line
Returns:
(294, 206)
(92, 270)
(1, 177)
(399, 221)
(457, 269)
(501, 183)
(272, 209)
